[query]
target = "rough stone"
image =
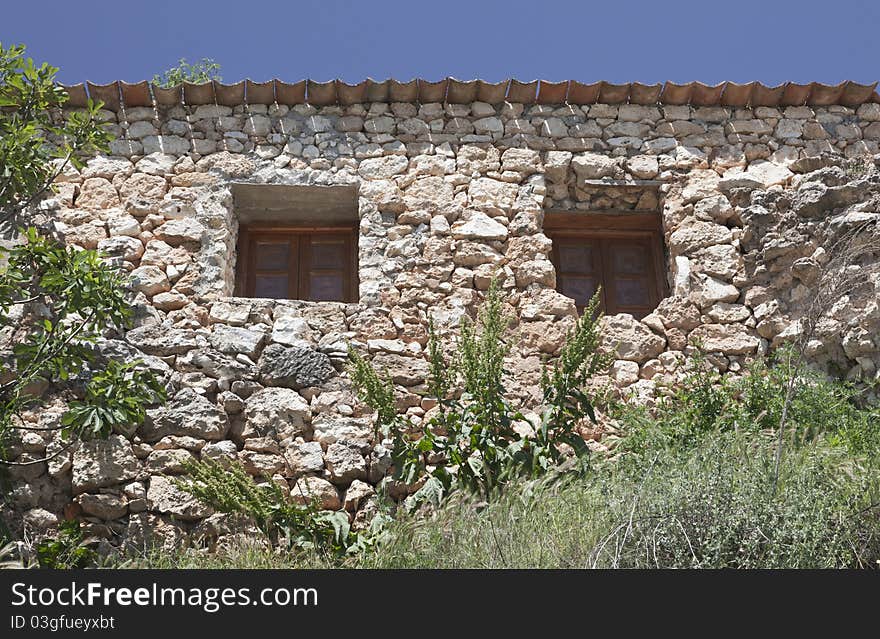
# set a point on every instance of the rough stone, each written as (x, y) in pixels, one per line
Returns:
(279, 411)
(382, 168)
(149, 280)
(169, 462)
(629, 339)
(591, 166)
(103, 506)
(309, 489)
(353, 431)
(97, 193)
(479, 226)
(698, 234)
(166, 498)
(731, 339)
(233, 340)
(358, 493)
(344, 464)
(156, 339)
(294, 366)
(177, 232)
(187, 413)
(103, 462)
(407, 371)
(304, 458)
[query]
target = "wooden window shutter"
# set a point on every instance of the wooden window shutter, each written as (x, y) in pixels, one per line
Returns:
(621, 253)
(298, 263)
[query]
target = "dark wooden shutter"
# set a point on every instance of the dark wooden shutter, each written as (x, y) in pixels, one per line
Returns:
(274, 259)
(578, 268)
(629, 277)
(627, 265)
(317, 265)
(325, 273)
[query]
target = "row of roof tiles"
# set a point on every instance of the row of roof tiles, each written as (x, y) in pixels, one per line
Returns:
(450, 90)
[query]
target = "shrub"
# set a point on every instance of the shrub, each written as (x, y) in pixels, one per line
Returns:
(711, 506)
(55, 301)
(471, 442)
(69, 299)
(200, 72)
(286, 522)
(706, 403)
(66, 550)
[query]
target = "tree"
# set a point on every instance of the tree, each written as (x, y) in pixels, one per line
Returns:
(56, 301)
(36, 143)
(202, 71)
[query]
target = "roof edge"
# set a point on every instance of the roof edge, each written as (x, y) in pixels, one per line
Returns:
(119, 94)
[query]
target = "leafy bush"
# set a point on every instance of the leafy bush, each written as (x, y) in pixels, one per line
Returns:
(78, 297)
(35, 143)
(471, 441)
(711, 506)
(55, 300)
(284, 521)
(200, 72)
(708, 506)
(67, 550)
(707, 403)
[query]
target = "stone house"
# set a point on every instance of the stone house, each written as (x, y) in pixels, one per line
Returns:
(266, 226)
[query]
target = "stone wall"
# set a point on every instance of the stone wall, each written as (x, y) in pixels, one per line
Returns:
(448, 198)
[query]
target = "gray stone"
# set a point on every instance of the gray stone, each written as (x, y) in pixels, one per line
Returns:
(730, 339)
(479, 226)
(169, 462)
(103, 506)
(314, 490)
(345, 464)
(816, 200)
(187, 413)
(698, 234)
(590, 166)
(149, 280)
(292, 331)
(39, 519)
(304, 458)
(222, 450)
(183, 231)
(170, 144)
(128, 248)
(276, 411)
(166, 498)
(708, 290)
(354, 431)
(294, 367)
(103, 462)
(629, 339)
(382, 168)
(357, 494)
(261, 464)
(407, 371)
(157, 339)
(232, 340)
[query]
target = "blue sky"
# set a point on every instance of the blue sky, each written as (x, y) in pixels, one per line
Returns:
(614, 40)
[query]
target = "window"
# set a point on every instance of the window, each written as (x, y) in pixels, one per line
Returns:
(317, 264)
(622, 253)
(297, 242)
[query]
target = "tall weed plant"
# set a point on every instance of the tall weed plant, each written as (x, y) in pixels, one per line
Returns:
(471, 441)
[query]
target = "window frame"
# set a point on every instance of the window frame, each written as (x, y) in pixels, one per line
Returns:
(245, 271)
(605, 227)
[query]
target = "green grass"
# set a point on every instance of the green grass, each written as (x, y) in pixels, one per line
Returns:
(712, 506)
(691, 485)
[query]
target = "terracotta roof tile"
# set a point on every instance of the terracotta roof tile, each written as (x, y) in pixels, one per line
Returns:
(117, 94)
